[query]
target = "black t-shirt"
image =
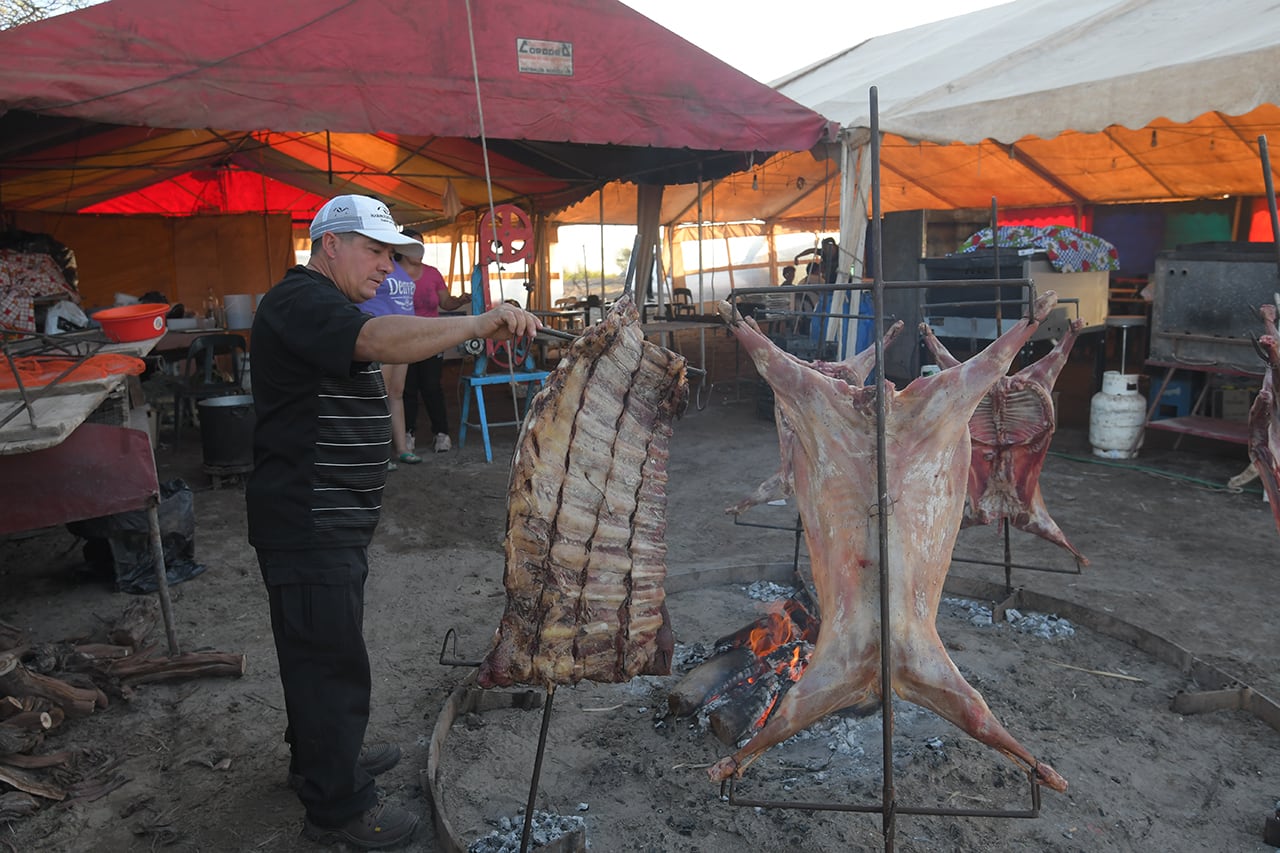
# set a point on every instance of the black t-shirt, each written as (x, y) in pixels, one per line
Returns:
(323, 434)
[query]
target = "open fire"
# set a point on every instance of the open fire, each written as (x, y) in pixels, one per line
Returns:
(749, 671)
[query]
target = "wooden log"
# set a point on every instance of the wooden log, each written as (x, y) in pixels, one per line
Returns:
(10, 705)
(136, 622)
(37, 762)
(15, 805)
(710, 678)
(746, 708)
(803, 625)
(31, 721)
(103, 651)
(14, 740)
(11, 636)
(141, 670)
(24, 781)
(17, 680)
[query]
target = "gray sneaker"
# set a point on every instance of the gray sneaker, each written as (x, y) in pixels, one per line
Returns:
(443, 444)
(379, 828)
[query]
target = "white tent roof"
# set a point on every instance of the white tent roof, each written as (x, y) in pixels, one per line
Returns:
(1038, 67)
(1046, 102)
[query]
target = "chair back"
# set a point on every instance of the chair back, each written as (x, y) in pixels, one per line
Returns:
(682, 302)
(201, 370)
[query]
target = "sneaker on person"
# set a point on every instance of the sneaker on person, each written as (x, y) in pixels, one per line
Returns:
(392, 466)
(443, 444)
(409, 443)
(378, 828)
(375, 759)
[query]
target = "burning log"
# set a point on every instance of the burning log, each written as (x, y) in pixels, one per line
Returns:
(136, 622)
(793, 620)
(141, 669)
(752, 669)
(709, 679)
(747, 706)
(17, 680)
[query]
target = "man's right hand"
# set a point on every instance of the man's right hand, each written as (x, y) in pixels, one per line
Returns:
(505, 321)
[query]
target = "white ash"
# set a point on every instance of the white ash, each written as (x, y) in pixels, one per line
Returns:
(978, 613)
(686, 656)
(547, 827)
(1048, 626)
(769, 591)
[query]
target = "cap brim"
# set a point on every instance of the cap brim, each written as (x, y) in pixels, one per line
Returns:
(391, 238)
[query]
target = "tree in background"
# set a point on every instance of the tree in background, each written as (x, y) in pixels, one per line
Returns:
(14, 13)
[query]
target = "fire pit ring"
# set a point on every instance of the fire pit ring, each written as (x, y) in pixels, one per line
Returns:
(1222, 691)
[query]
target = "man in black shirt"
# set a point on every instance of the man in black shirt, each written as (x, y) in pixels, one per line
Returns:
(321, 446)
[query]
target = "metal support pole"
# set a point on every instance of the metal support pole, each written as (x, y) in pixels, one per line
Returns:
(882, 487)
(537, 770)
(162, 577)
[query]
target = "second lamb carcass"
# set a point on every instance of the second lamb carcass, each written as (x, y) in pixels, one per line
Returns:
(586, 516)
(1011, 430)
(927, 460)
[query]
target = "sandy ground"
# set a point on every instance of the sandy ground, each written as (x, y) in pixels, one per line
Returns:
(202, 763)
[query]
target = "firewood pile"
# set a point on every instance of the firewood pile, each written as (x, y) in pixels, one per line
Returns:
(46, 687)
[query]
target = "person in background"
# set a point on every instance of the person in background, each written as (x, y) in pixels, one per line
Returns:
(788, 276)
(430, 296)
(320, 447)
(395, 298)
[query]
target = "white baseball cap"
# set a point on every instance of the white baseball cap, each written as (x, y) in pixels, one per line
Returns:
(360, 214)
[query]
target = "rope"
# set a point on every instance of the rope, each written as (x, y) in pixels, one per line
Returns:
(484, 144)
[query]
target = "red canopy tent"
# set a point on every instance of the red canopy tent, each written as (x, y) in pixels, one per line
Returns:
(378, 96)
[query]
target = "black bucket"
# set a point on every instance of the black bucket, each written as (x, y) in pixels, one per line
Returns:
(226, 431)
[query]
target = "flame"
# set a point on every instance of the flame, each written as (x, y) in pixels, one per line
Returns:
(777, 630)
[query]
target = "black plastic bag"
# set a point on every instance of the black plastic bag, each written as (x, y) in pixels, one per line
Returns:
(122, 542)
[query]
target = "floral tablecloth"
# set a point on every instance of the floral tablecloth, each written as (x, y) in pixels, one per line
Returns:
(1069, 249)
(24, 276)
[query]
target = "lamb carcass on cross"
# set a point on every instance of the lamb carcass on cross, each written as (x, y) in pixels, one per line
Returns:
(833, 470)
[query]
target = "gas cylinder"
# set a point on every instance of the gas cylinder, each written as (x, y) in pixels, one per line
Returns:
(1117, 415)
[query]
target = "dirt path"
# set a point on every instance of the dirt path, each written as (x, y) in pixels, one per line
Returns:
(1193, 565)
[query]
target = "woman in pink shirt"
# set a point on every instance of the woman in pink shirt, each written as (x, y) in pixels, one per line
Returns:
(430, 296)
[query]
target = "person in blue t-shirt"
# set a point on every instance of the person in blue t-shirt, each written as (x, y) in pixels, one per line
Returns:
(395, 298)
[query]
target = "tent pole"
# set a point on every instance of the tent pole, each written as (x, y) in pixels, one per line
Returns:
(601, 193)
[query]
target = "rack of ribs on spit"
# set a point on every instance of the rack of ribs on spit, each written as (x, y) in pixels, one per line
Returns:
(586, 515)
(833, 464)
(854, 370)
(1011, 430)
(1264, 416)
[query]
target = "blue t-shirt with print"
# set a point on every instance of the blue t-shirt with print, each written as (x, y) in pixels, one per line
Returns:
(394, 296)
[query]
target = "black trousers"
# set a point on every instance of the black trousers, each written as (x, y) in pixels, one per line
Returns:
(424, 378)
(317, 618)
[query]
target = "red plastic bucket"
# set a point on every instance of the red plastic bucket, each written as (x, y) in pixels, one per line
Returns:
(133, 322)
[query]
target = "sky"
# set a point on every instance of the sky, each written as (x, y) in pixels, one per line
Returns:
(767, 40)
